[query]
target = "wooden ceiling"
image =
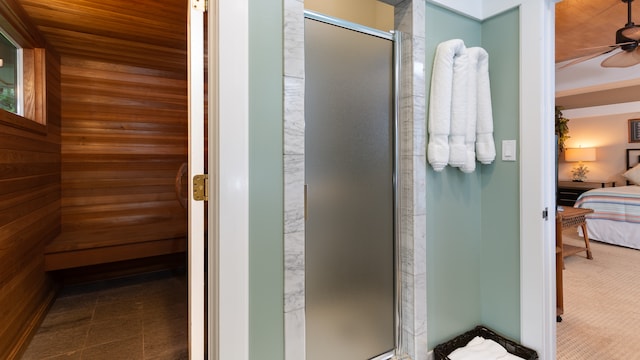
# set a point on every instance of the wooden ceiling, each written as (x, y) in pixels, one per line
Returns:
(581, 24)
(153, 33)
(143, 33)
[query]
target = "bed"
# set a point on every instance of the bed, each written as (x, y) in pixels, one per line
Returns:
(616, 217)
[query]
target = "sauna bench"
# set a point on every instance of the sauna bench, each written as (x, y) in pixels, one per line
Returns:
(76, 249)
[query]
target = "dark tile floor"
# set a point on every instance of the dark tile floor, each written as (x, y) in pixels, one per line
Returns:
(135, 318)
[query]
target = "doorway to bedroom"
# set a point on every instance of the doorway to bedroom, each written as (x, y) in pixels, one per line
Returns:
(600, 104)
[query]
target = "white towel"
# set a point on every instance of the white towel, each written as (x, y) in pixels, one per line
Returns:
(485, 146)
(440, 102)
(459, 109)
(469, 165)
(479, 349)
(510, 357)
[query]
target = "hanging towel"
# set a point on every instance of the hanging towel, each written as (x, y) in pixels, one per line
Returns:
(459, 109)
(469, 165)
(440, 104)
(485, 146)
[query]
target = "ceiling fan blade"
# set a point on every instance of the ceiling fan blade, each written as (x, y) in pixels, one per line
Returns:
(632, 32)
(622, 59)
(590, 56)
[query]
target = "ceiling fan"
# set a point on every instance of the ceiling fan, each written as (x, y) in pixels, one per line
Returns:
(627, 39)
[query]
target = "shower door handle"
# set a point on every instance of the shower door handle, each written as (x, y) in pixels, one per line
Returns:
(305, 203)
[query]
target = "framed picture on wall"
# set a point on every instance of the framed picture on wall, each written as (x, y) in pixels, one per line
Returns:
(634, 130)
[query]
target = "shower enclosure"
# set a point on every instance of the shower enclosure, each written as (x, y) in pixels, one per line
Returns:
(350, 160)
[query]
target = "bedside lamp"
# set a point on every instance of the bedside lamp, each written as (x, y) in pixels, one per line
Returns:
(580, 155)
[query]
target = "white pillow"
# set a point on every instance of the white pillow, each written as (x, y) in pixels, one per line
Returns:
(633, 174)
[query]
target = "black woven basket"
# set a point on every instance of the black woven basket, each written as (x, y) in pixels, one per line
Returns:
(442, 351)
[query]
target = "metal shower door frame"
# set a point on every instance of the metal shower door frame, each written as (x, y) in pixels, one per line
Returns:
(396, 38)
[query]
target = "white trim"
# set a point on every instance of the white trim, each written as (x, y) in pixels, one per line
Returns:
(478, 10)
(233, 179)
(597, 87)
(603, 110)
(590, 76)
(472, 8)
(537, 240)
(196, 166)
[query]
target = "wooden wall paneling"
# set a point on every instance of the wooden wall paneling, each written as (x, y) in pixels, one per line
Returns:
(30, 212)
(18, 25)
(104, 164)
(124, 137)
(144, 33)
(20, 322)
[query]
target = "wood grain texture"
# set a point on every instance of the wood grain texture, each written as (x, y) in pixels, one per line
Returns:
(582, 25)
(142, 33)
(30, 201)
(100, 174)
(124, 127)
(109, 254)
(124, 137)
(18, 25)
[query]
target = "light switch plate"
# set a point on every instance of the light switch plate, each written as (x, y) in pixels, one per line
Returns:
(508, 150)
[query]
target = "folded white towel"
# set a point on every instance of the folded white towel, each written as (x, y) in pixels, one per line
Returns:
(460, 112)
(476, 341)
(469, 165)
(459, 109)
(479, 349)
(440, 102)
(485, 146)
(510, 357)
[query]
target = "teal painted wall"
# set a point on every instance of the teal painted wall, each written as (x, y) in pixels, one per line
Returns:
(453, 212)
(500, 251)
(472, 219)
(472, 222)
(266, 263)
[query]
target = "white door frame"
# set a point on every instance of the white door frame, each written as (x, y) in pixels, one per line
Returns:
(195, 247)
(228, 205)
(228, 304)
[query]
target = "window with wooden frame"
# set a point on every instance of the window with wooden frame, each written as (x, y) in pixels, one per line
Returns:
(22, 71)
(10, 81)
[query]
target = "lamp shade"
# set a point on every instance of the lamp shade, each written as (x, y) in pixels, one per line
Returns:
(580, 154)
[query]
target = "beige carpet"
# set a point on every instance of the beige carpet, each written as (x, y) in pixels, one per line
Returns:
(601, 304)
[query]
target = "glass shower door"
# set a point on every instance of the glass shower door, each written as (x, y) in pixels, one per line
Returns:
(349, 169)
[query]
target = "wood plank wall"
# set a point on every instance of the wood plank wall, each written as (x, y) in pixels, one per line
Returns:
(102, 170)
(29, 218)
(124, 137)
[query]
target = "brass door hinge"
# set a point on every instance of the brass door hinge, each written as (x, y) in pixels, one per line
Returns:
(200, 186)
(200, 5)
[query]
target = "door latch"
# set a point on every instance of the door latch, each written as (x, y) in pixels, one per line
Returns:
(200, 186)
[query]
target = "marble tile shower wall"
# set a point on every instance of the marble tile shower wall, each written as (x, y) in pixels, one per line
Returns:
(409, 20)
(294, 297)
